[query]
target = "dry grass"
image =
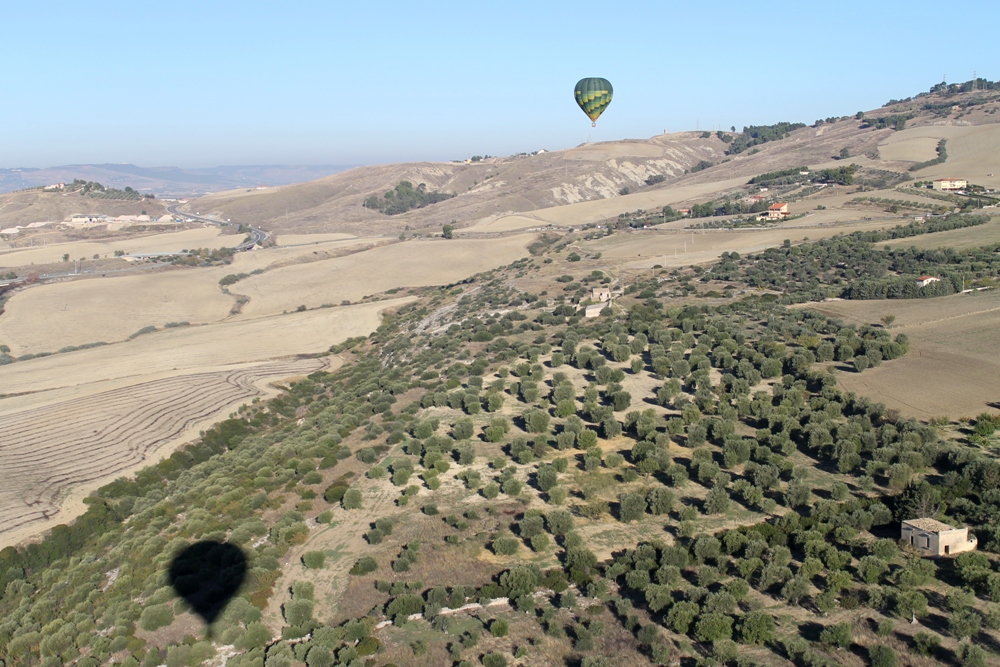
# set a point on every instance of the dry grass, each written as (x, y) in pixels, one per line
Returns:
(972, 151)
(109, 309)
(960, 239)
(21, 208)
(185, 349)
(676, 247)
(410, 264)
(308, 239)
(203, 237)
(74, 421)
(952, 367)
(52, 448)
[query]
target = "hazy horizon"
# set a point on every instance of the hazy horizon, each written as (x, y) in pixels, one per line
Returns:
(311, 84)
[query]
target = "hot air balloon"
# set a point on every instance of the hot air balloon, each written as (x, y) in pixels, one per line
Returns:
(593, 95)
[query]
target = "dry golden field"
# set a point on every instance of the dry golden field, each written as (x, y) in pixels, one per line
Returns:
(349, 278)
(109, 309)
(185, 349)
(203, 237)
(968, 237)
(51, 449)
(972, 151)
(953, 363)
(306, 239)
(74, 421)
(678, 247)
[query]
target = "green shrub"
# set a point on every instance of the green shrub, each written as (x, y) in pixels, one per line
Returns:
(156, 617)
(494, 660)
(882, 656)
(364, 565)
(499, 627)
(335, 493)
(314, 560)
(352, 499)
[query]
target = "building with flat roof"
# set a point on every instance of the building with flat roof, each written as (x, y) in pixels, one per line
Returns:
(950, 184)
(601, 294)
(778, 211)
(934, 538)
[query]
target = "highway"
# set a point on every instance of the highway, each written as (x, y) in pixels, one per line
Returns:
(256, 235)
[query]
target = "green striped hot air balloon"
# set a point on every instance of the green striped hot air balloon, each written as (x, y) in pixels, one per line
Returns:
(593, 95)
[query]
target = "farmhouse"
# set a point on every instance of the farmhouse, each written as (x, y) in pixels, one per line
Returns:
(601, 294)
(933, 538)
(594, 310)
(950, 184)
(777, 211)
(924, 281)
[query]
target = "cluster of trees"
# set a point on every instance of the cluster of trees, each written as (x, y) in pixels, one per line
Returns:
(853, 267)
(404, 197)
(95, 190)
(967, 87)
(838, 175)
(755, 135)
(780, 177)
(894, 121)
(738, 441)
(204, 257)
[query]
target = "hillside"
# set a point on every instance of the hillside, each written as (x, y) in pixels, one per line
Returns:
(492, 477)
(498, 187)
(166, 180)
(22, 208)
(667, 440)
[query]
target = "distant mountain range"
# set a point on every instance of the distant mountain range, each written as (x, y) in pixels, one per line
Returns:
(168, 180)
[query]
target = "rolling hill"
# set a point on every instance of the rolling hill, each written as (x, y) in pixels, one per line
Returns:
(493, 188)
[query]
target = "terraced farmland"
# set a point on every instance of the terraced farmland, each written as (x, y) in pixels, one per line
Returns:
(50, 449)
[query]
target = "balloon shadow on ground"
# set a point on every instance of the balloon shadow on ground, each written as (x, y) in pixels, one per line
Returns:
(208, 575)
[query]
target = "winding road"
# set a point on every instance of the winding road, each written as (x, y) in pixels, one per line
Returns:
(256, 235)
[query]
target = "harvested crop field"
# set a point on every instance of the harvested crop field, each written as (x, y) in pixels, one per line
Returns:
(677, 247)
(112, 309)
(506, 223)
(972, 151)
(409, 264)
(47, 450)
(953, 363)
(305, 239)
(109, 309)
(968, 237)
(74, 421)
(186, 349)
(203, 237)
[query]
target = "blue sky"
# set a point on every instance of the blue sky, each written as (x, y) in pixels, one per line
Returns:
(206, 83)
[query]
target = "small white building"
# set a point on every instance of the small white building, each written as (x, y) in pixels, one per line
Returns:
(933, 538)
(924, 281)
(594, 310)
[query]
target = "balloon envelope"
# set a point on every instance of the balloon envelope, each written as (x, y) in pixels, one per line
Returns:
(593, 95)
